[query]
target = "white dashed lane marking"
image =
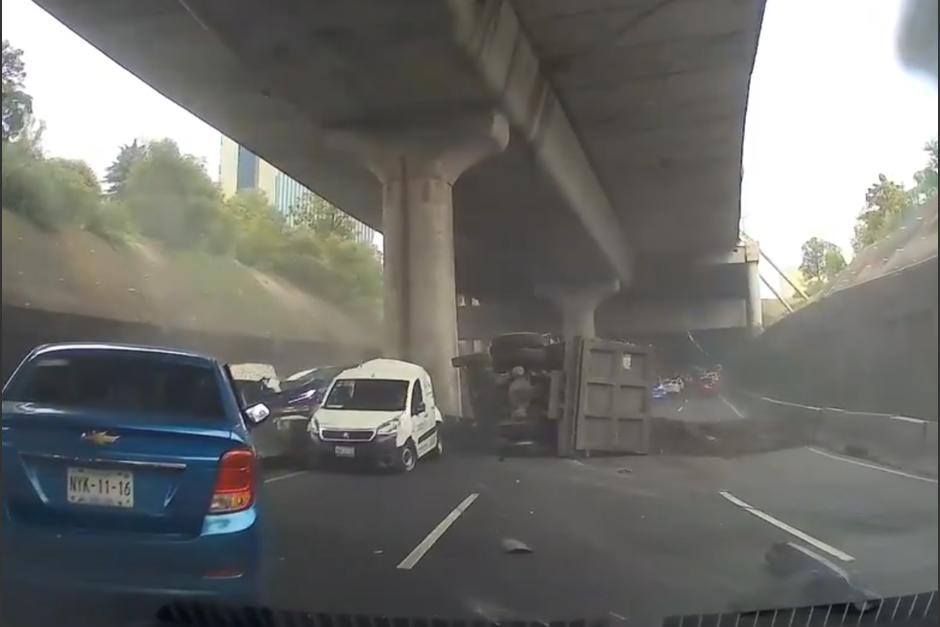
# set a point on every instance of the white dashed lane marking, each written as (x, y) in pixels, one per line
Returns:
(857, 462)
(793, 531)
(287, 476)
(731, 406)
(425, 545)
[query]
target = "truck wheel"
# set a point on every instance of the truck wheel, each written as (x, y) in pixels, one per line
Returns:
(406, 458)
(513, 341)
(528, 358)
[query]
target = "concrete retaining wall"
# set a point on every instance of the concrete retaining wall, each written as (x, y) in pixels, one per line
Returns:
(898, 441)
(868, 348)
(23, 329)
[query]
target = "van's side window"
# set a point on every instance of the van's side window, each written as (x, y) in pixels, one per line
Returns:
(417, 399)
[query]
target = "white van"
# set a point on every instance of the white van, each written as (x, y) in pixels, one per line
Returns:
(382, 410)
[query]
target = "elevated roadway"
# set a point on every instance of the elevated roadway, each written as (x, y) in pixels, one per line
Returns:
(503, 147)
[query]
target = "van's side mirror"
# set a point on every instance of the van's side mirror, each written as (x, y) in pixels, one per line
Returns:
(420, 408)
(257, 414)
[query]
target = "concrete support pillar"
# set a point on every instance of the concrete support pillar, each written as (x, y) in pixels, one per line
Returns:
(418, 168)
(577, 304)
(754, 310)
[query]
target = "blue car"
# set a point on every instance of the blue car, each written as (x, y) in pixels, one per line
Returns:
(129, 469)
(658, 392)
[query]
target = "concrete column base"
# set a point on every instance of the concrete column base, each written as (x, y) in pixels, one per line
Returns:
(577, 304)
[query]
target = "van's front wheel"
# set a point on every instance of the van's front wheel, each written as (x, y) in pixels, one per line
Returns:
(406, 458)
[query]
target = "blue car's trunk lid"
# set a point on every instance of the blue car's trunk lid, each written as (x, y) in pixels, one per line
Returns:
(85, 469)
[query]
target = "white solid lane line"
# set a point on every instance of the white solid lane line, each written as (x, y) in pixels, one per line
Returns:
(793, 531)
(424, 546)
(736, 411)
(857, 462)
(287, 476)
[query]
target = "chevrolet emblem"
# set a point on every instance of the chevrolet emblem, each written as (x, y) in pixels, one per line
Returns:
(101, 438)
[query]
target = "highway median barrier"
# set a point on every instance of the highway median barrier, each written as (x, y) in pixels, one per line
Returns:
(901, 442)
(906, 443)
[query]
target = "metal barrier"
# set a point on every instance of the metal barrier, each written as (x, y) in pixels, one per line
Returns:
(899, 441)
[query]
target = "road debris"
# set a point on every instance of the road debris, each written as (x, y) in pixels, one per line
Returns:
(513, 546)
(624, 471)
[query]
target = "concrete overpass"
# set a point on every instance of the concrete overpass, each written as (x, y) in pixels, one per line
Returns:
(544, 148)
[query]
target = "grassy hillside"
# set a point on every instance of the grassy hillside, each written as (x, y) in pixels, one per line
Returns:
(913, 241)
(76, 272)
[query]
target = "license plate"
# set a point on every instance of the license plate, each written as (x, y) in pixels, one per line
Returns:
(345, 451)
(111, 488)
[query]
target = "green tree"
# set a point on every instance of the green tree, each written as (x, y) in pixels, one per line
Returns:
(248, 205)
(361, 269)
(50, 192)
(17, 104)
(885, 203)
(822, 260)
(170, 197)
(120, 168)
(321, 217)
(258, 228)
(926, 178)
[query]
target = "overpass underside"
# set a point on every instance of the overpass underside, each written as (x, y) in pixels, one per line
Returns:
(506, 149)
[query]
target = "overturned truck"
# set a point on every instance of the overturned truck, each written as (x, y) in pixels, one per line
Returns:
(581, 397)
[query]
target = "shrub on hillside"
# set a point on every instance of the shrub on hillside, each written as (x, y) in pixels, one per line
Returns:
(50, 192)
(171, 198)
(110, 222)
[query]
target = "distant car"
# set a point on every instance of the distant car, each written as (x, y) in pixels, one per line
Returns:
(658, 391)
(706, 386)
(127, 468)
(673, 386)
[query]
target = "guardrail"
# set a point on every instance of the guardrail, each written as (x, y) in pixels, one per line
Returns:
(899, 441)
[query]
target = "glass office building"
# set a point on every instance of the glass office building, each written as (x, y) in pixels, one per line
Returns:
(239, 169)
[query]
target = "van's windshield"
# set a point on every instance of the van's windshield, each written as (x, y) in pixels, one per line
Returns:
(368, 395)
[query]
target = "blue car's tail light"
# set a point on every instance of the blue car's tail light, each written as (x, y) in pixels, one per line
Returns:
(235, 485)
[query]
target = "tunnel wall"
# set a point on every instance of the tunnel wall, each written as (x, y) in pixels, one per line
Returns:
(23, 329)
(868, 348)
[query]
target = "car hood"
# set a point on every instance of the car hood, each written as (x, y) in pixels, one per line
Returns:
(353, 418)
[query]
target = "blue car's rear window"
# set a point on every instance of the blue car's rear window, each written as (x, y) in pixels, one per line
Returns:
(143, 386)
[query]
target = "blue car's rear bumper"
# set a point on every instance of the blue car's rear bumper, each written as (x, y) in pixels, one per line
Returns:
(224, 560)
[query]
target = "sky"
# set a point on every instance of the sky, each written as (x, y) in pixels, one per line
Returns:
(830, 108)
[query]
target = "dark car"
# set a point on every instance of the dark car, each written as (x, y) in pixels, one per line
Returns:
(293, 407)
(129, 469)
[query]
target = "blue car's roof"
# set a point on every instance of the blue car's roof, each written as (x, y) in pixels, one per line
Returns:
(129, 348)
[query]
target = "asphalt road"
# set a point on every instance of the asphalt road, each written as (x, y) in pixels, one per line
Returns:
(618, 538)
(626, 539)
